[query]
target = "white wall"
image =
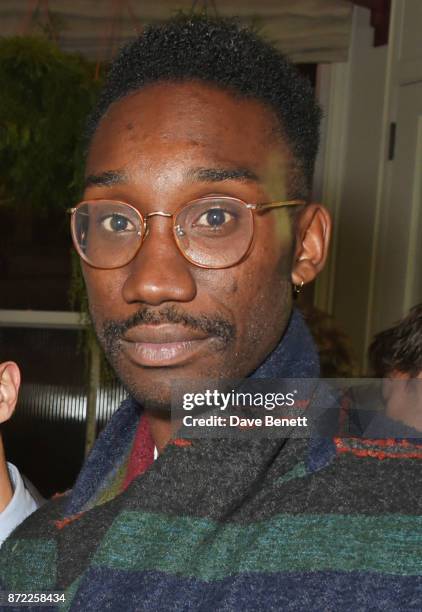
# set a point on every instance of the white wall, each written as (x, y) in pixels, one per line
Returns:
(352, 95)
(374, 274)
(397, 262)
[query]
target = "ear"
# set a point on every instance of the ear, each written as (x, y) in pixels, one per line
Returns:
(313, 231)
(10, 379)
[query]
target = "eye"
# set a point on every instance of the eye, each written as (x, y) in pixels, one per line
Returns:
(117, 223)
(214, 218)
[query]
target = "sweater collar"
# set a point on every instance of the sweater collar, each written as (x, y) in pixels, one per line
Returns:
(295, 356)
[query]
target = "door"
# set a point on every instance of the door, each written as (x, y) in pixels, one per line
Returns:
(400, 281)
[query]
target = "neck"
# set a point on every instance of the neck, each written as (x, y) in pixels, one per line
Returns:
(161, 428)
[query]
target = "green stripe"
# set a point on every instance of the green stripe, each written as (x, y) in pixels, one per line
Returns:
(112, 484)
(112, 488)
(210, 551)
(69, 595)
(38, 557)
(297, 471)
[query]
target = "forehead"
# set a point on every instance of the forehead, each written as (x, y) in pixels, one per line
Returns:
(167, 122)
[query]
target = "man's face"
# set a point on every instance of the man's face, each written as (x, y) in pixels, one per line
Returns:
(160, 318)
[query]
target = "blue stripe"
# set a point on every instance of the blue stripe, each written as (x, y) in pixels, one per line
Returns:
(102, 589)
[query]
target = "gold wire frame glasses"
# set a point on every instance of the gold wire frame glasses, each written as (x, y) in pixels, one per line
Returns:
(211, 232)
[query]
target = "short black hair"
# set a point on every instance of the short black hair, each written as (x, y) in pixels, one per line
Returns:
(222, 52)
(399, 348)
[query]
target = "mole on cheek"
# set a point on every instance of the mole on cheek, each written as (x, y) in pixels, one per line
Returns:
(129, 126)
(234, 287)
(229, 288)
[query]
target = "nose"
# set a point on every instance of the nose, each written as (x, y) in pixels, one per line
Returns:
(159, 273)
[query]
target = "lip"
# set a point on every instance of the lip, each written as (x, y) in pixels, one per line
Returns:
(163, 345)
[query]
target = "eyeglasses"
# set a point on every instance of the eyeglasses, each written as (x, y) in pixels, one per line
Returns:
(211, 232)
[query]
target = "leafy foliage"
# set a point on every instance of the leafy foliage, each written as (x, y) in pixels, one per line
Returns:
(45, 98)
(334, 346)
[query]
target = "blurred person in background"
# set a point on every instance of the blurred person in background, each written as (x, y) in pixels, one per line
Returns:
(396, 355)
(18, 498)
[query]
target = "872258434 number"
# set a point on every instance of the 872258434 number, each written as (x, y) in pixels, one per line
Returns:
(24, 599)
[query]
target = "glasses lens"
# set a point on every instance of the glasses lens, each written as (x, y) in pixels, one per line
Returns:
(106, 234)
(214, 232)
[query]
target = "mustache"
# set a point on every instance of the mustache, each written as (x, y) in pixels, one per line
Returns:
(114, 330)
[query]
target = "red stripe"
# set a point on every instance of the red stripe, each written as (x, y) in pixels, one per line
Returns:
(67, 520)
(380, 442)
(414, 450)
(142, 453)
(181, 442)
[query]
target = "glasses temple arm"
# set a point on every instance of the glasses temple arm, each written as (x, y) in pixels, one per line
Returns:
(277, 204)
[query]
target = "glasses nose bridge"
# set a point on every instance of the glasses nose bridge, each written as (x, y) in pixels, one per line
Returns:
(155, 213)
(158, 213)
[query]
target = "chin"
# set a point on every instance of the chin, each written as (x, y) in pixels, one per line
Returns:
(155, 396)
(162, 390)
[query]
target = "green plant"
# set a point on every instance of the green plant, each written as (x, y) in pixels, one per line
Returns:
(46, 96)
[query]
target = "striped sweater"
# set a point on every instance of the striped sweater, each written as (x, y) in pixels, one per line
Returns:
(243, 524)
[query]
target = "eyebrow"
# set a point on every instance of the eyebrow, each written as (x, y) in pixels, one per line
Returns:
(200, 174)
(215, 175)
(105, 179)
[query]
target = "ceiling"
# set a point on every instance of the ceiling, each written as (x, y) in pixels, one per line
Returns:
(306, 30)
